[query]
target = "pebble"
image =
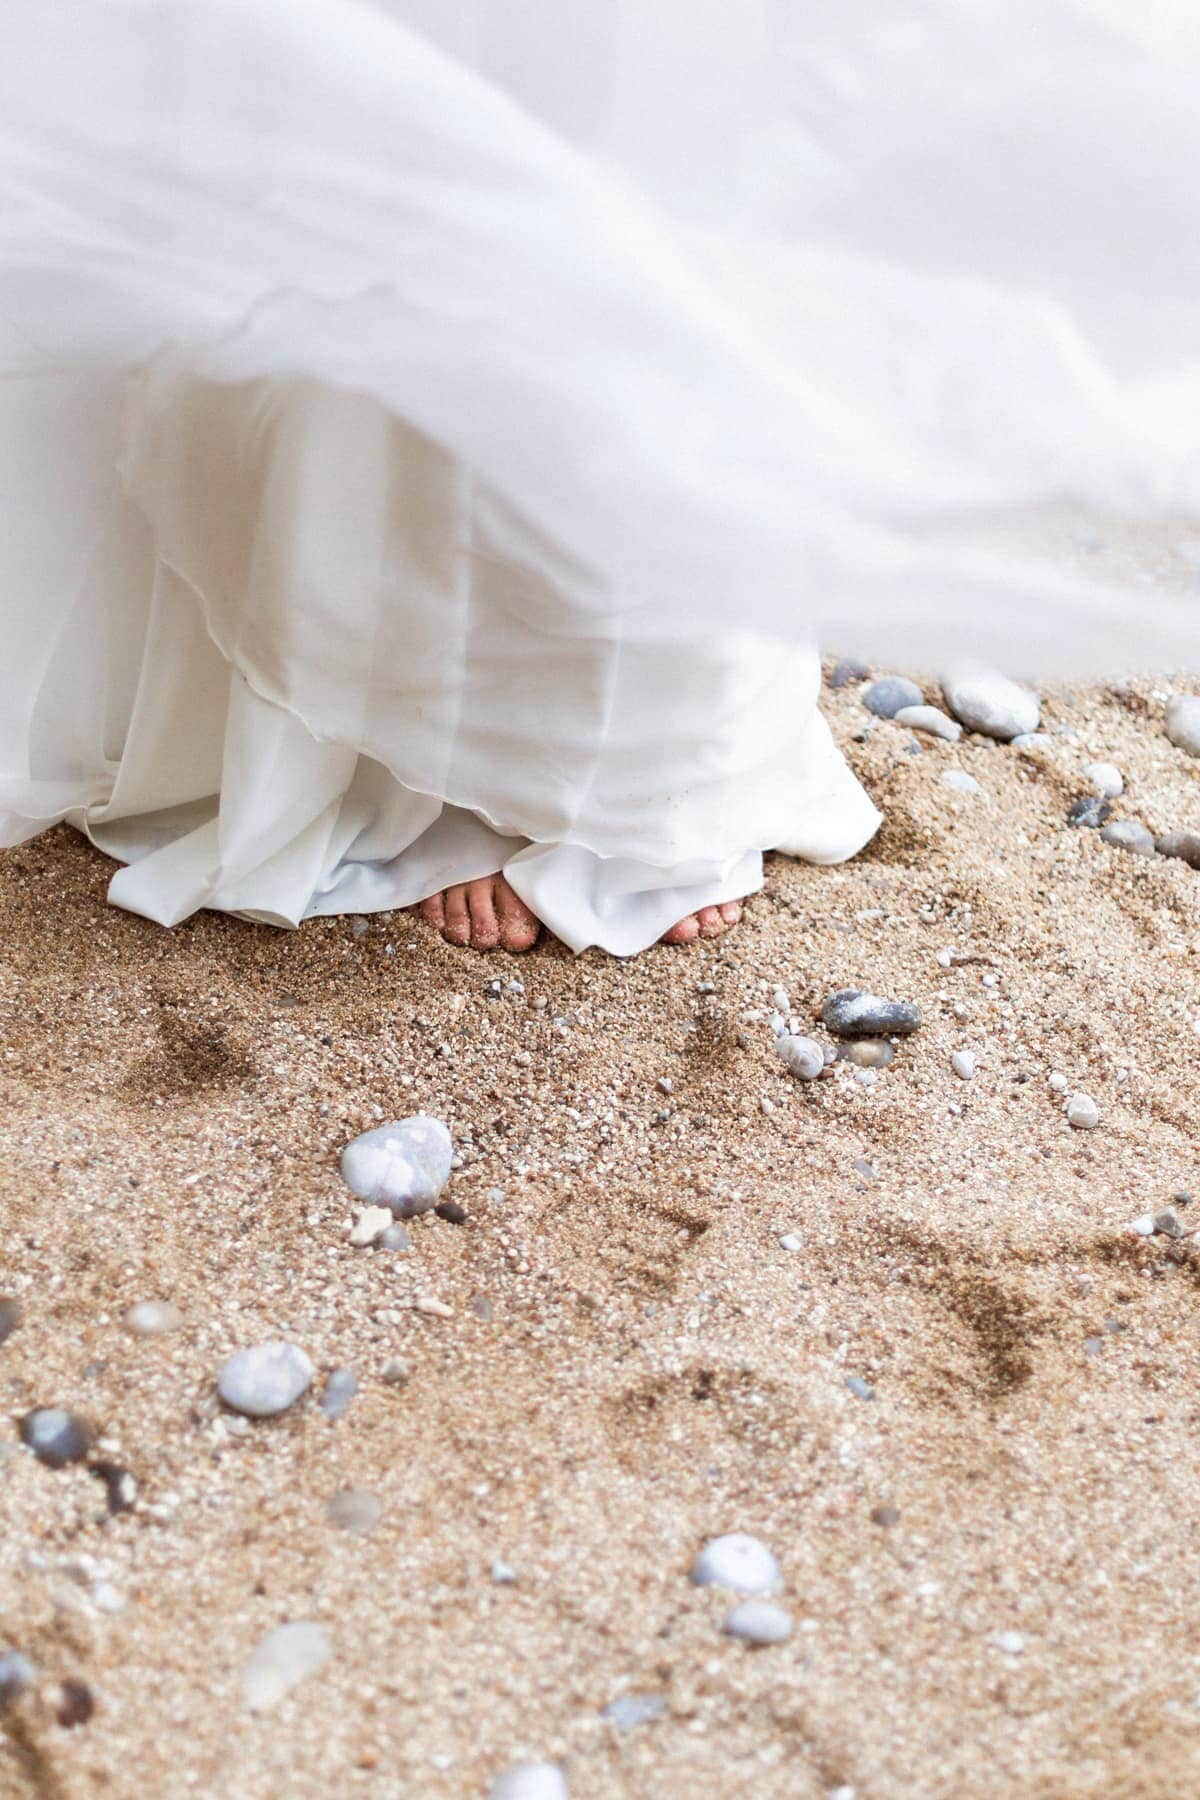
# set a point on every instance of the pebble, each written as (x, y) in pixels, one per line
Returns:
(862, 1390)
(851, 1013)
(890, 695)
(340, 1390)
(1183, 723)
(503, 1574)
(286, 1656)
(55, 1436)
(530, 1781)
(1183, 845)
(451, 1211)
(758, 1622)
(356, 1510)
(393, 1237)
(1106, 778)
(867, 1053)
(76, 1704)
(1090, 812)
(10, 1317)
(151, 1318)
(264, 1379)
(1143, 1227)
(1011, 1642)
(1082, 1112)
(740, 1562)
(846, 671)
(963, 1064)
(403, 1166)
(885, 1516)
(16, 1674)
(960, 781)
(628, 1710)
(1057, 1082)
(395, 1372)
(790, 1242)
(1029, 740)
(800, 1056)
(1168, 1223)
(1127, 834)
(370, 1224)
(986, 701)
(930, 719)
(432, 1308)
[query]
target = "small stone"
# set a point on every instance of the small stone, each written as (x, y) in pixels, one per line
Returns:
(151, 1318)
(790, 1242)
(432, 1308)
(403, 1166)
(800, 1056)
(1057, 1082)
(867, 1053)
(285, 1657)
(740, 1562)
(369, 1226)
(1106, 778)
(665, 1085)
(630, 1710)
(885, 1517)
(359, 926)
(395, 1372)
(846, 671)
(1029, 740)
(340, 1390)
(16, 1674)
(1090, 812)
(931, 720)
(865, 1171)
(481, 1306)
(76, 1704)
(530, 1781)
(758, 1622)
(1183, 723)
(393, 1237)
(503, 1574)
(988, 702)
(1184, 846)
(1010, 1642)
(1082, 1112)
(963, 1064)
(264, 1379)
(1168, 1223)
(55, 1436)
(851, 1013)
(1128, 834)
(108, 1599)
(862, 1390)
(120, 1487)
(451, 1211)
(356, 1510)
(890, 694)
(10, 1316)
(960, 781)
(1092, 1346)
(1143, 1227)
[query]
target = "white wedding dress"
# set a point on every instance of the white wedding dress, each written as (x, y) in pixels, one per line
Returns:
(433, 434)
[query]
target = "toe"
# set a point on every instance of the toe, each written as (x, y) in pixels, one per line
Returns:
(686, 932)
(731, 911)
(457, 927)
(518, 926)
(485, 932)
(710, 921)
(434, 909)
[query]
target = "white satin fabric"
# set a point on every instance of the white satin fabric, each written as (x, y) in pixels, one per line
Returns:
(389, 354)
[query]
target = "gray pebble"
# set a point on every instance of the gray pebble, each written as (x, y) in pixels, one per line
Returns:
(1183, 723)
(151, 1318)
(55, 1436)
(887, 696)
(628, 1710)
(359, 926)
(740, 1562)
(395, 1372)
(285, 1657)
(800, 1056)
(862, 1390)
(404, 1165)
(340, 1390)
(1168, 1223)
(503, 1574)
(930, 719)
(264, 1379)
(847, 671)
(1184, 846)
(393, 1237)
(10, 1316)
(866, 1053)
(1091, 812)
(1106, 778)
(530, 1781)
(1127, 834)
(356, 1510)
(1082, 1112)
(988, 702)
(16, 1674)
(758, 1622)
(851, 1013)
(960, 781)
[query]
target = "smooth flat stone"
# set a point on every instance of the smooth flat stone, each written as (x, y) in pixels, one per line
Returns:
(340, 1390)
(740, 1562)
(985, 701)
(355, 1510)
(151, 1318)
(963, 1064)
(960, 781)
(1183, 723)
(1106, 778)
(403, 1166)
(1082, 1112)
(853, 1013)
(284, 1658)
(866, 1053)
(628, 1710)
(889, 694)
(265, 1379)
(1184, 846)
(931, 720)
(530, 1781)
(758, 1622)
(55, 1436)
(1128, 834)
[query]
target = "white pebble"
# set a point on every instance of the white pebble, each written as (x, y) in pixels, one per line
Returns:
(945, 959)
(1058, 1082)
(758, 1622)
(530, 1781)
(284, 1658)
(150, 1318)
(1106, 779)
(1011, 1642)
(789, 1241)
(404, 1165)
(986, 701)
(740, 1562)
(960, 781)
(265, 1379)
(930, 719)
(963, 1064)
(801, 1056)
(1143, 1227)
(1183, 723)
(1082, 1112)
(371, 1222)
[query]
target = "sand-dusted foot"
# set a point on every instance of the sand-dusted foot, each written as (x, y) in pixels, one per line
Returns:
(709, 922)
(484, 915)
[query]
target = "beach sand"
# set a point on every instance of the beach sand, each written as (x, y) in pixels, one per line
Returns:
(631, 1363)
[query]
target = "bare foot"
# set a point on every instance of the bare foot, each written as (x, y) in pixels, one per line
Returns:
(486, 915)
(709, 922)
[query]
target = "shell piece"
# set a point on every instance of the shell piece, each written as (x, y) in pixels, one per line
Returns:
(800, 1056)
(403, 1166)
